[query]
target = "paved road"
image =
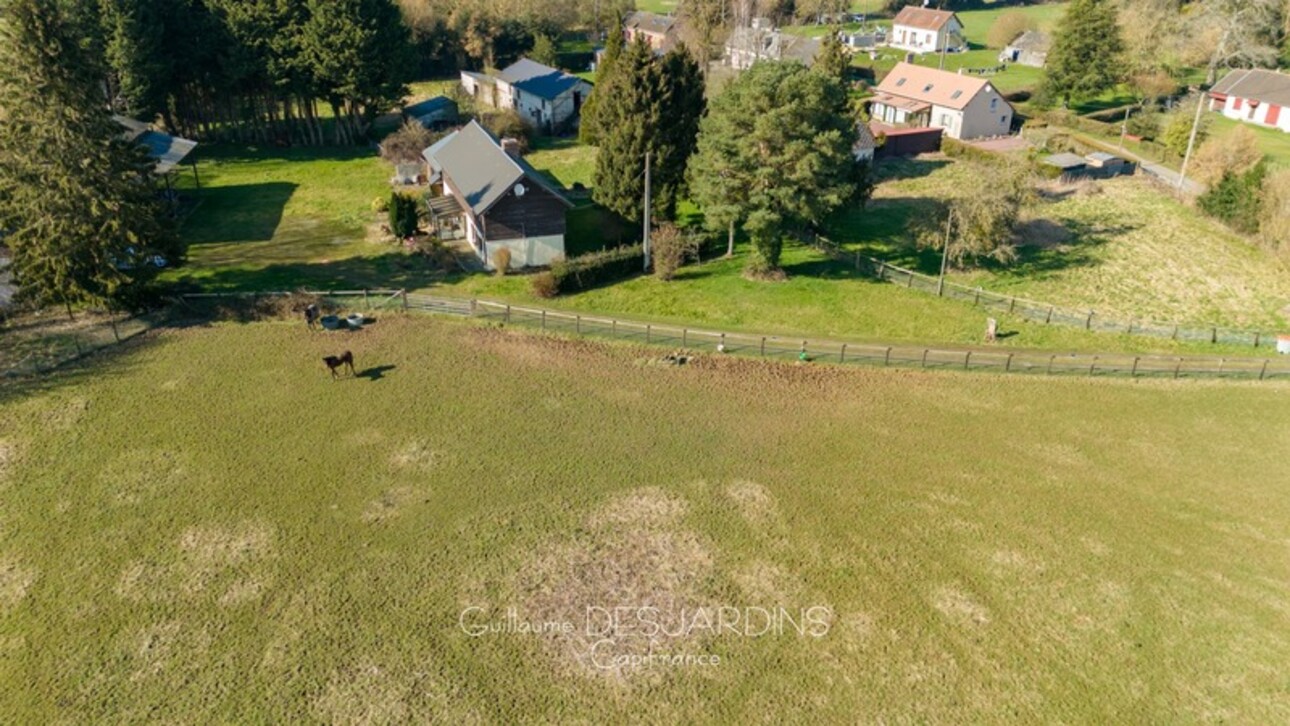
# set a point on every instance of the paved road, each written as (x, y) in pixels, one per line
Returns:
(1191, 187)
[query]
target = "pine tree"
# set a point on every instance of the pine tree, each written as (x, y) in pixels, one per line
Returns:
(543, 50)
(833, 59)
(591, 125)
(629, 112)
(1085, 57)
(77, 200)
(773, 154)
(136, 49)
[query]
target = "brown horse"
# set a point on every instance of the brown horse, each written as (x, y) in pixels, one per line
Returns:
(344, 359)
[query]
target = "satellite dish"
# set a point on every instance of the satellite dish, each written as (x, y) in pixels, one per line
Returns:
(519, 190)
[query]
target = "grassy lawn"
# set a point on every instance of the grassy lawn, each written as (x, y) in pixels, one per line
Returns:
(1124, 250)
(1275, 144)
(208, 529)
(564, 160)
(261, 209)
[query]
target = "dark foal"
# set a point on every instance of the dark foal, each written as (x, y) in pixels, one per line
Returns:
(344, 359)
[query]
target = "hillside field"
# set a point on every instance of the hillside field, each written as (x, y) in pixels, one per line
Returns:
(204, 527)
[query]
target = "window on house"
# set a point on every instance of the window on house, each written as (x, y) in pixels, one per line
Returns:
(955, 95)
(994, 103)
(927, 88)
(900, 82)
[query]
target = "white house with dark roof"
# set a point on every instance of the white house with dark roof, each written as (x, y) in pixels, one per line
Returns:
(762, 41)
(923, 30)
(1254, 96)
(546, 98)
(965, 107)
(497, 197)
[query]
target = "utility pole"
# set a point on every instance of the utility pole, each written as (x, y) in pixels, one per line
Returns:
(1191, 140)
(1124, 126)
(645, 214)
(945, 254)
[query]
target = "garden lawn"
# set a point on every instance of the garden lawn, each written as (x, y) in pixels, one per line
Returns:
(1275, 144)
(1120, 247)
(207, 528)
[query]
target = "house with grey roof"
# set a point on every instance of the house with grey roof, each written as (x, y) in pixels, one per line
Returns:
(762, 41)
(495, 197)
(547, 98)
(1254, 96)
(1028, 49)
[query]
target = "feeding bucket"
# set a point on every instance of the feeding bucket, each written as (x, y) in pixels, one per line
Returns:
(1283, 344)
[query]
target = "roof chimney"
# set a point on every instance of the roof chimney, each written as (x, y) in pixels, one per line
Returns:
(909, 57)
(511, 146)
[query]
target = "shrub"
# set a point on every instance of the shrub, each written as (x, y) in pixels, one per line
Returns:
(1178, 131)
(1236, 152)
(502, 259)
(1274, 220)
(1144, 124)
(1006, 29)
(381, 205)
(406, 144)
(669, 250)
(544, 285)
(959, 150)
(1237, 199)
(403, 215)
(508, 124)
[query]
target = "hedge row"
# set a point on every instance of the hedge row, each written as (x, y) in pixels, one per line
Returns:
(587, 271)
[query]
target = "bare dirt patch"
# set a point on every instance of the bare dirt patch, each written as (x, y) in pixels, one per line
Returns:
(634, 552)
(205, 559)
(15, 581)
(754, 501)
(390, 504)
(143, 473)
(959, 606)
(417, 456)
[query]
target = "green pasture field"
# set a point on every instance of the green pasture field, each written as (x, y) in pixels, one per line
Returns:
(1120, 247)
(204, 527)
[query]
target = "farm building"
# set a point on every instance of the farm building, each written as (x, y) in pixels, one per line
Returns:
(546, 98)
(433, 113)
(495, 198)
(660, 31)
(168, 152)
(1028, 49)
(761, 41)
(1254, 96)
(1098, 165)
(923, 30)
(863, 40)
(966, 107)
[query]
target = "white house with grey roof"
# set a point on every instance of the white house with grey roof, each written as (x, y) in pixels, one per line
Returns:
(966, 107)
(1254, 96)
(546, 98)
(497, 197)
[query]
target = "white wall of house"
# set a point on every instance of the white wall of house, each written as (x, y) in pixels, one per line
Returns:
(920, 40)
(987, 114)
(1242, 109)
(541, 112)
(527, 251)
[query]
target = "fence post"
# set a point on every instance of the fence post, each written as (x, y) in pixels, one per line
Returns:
(115, 334)
(366, 305)
(924, 357)
(842, 357)
(577, 324)
(1256, 339)
(404, 295)
(909, 282)
(1130, 330)
(544, 319)
(763, 346)
(1007, 367)
(508, 313)
(473, 306)
(1264, 371)
(1051, 358)
(886, 358)
(613, 327)
(882, 269)
(685, 337)
(722, 345)
(1012, 304)
(857, 261)
(1134, 372)
(1174, 335)
(1177, 367)
(647, 332)
(1221, 363)
(967, 360)
(1049, 319)
(1213, 335)
(977, 299)
(1088, 322)
(1092, 366)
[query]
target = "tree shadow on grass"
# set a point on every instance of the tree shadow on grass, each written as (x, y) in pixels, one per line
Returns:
(239, 213)
(393, 270)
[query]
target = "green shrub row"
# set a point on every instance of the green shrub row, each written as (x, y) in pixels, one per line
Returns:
(587, 271)
(959, 150)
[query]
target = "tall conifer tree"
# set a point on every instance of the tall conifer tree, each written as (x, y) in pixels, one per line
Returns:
(1085, 59)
